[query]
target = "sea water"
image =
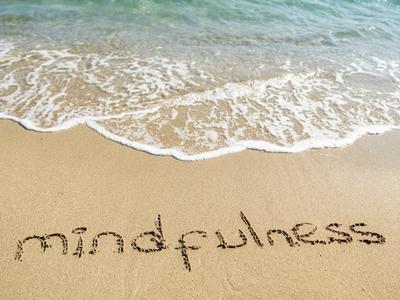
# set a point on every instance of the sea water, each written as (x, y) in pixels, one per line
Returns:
(201, 78)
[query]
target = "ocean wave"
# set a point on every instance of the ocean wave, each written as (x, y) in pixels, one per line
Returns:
(176, 108)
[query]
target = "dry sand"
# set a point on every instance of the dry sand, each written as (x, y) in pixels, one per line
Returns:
(53, 183)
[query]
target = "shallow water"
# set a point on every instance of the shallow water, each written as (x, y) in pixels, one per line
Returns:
(196, 79)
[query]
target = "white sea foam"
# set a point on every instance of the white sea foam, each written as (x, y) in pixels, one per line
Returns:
(175, 108)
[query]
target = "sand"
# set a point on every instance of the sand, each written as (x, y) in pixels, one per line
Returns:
(56, 182)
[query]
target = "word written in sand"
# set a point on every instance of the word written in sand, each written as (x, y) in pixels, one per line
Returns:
(300, 234)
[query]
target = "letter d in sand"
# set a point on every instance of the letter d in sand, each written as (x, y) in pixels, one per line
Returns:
(156, 237)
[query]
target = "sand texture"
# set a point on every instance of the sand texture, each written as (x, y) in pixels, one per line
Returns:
(159, 228)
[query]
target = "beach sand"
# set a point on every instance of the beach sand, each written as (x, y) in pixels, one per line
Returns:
(55, 182)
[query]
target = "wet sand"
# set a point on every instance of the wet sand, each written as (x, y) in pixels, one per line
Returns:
(56, 182)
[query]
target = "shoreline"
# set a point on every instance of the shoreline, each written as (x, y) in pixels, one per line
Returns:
(245, 145)
(57, 182)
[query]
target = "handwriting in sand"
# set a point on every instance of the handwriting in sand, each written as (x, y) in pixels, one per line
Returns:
(300, 234)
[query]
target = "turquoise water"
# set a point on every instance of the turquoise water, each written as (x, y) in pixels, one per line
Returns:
(193, 77)
(229, 22)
